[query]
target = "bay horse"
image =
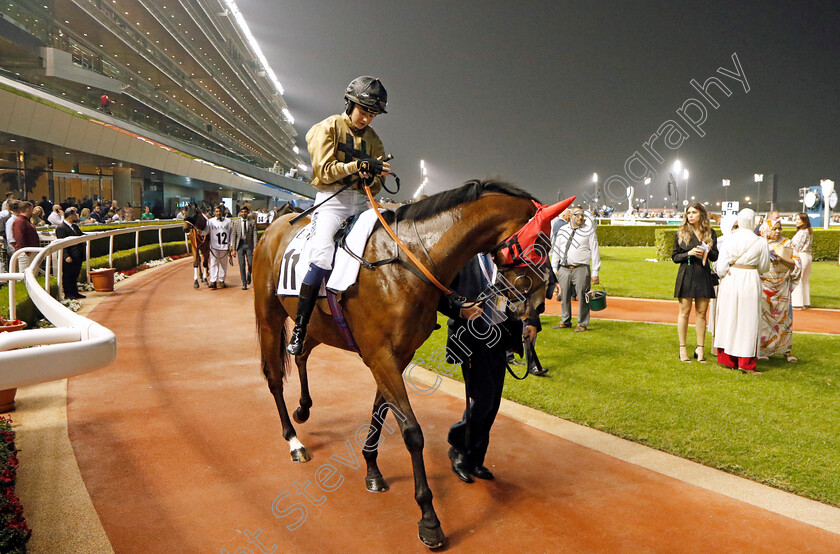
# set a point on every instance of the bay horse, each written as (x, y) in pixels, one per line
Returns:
(194, 223)
(391, 312)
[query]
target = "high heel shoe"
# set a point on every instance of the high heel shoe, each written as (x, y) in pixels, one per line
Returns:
(686, 359)
(701, 357)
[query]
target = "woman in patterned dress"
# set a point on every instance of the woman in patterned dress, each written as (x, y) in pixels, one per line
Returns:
(776, 329)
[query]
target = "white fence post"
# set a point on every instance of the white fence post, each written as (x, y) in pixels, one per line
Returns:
(111, 251)
(58, 273)
(160, 241)
(137, 248)
(87, 261)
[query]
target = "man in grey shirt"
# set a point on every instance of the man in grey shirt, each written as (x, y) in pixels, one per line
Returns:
(573, 249)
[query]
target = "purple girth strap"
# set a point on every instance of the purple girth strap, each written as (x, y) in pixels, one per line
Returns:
(338, 316)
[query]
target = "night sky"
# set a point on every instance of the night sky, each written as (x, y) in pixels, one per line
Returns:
(543, 94)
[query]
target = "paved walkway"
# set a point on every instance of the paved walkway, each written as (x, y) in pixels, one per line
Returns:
(179, 446)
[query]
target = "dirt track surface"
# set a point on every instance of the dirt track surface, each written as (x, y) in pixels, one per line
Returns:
(180, 446)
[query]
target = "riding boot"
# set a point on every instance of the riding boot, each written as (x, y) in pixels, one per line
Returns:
(306, 303)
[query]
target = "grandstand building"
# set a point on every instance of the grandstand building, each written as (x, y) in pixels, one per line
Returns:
(152, 102)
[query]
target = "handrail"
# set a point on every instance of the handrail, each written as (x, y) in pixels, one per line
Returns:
(77, 345)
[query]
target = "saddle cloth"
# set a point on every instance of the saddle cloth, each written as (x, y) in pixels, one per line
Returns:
(345, 270)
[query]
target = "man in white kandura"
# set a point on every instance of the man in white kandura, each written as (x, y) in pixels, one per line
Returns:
(739, 265)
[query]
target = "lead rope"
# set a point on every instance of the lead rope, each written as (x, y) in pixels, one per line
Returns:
(403, 247)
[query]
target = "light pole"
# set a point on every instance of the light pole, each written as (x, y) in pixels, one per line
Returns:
(759, 177)
(647, 193)
(725, 183)
(685, 178)
(597, 191)
(677, 171)
(423, 178)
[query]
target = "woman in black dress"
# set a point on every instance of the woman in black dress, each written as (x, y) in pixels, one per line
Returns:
(695, 247)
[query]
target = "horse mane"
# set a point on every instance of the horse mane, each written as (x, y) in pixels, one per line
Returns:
(469, 192)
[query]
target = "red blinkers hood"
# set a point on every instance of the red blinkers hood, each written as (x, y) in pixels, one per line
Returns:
(521, 248)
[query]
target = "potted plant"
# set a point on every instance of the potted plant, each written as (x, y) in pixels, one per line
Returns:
(103, 279)
(7, 397)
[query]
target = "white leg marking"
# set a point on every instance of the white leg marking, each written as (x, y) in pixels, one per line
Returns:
(295, 444)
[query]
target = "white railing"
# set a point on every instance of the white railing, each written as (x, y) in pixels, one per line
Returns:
(76, 345)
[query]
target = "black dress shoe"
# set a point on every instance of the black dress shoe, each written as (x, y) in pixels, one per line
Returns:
(460, 466)
(244, 287)
(78, 296)
(535, 370)
(482, 472)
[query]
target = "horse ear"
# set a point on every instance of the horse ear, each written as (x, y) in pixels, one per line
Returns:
(554, 210)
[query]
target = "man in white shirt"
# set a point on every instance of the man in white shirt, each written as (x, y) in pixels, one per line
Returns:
(13, 215)
(220, 230)
(575, 247)
(56, 217)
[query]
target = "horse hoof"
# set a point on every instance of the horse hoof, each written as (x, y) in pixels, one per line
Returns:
(300, 415)
(432, 537)
(300, 455)
(378, 484)
(196, 285)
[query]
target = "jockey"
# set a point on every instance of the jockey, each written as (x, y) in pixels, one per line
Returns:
(343, 150)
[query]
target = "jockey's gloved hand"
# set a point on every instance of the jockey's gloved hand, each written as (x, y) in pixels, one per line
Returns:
(370, 165)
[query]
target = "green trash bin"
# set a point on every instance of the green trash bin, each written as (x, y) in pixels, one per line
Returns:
(597, 298)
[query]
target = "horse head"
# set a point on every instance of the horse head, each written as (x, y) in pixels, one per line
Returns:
(194, 217)
(523, 262)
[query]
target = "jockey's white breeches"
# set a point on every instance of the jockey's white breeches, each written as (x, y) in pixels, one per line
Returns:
(218, 265)
(327, 219)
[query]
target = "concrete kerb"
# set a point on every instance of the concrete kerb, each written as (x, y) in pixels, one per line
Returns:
(774, 500)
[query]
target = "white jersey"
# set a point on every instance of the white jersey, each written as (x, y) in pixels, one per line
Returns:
(219, 233)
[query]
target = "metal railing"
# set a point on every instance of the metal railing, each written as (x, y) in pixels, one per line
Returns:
(76, 345)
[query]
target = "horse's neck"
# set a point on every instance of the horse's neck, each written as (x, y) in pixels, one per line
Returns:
(453, 237)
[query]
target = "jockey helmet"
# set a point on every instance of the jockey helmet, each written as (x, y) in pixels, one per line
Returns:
(368, 93)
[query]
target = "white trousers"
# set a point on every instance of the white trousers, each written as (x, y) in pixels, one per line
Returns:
(802, 293)
(23, 262)
(218, 265)
(327, 219)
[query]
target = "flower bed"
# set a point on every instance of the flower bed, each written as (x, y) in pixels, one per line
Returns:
(14, 533)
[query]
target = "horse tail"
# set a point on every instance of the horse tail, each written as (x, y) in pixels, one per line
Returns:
(271, 321)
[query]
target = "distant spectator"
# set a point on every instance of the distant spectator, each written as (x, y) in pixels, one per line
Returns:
(776, 331)
(802, 245)
(45, 205)
(73, 255)
(25, 234)
(37, 218)
(105, 104)
(84, 217)
(128, 211)
(9, 196)
(109, 217)
(147, 213)
(182, 213)
(118, 217)
(14, 212)
(57, 215)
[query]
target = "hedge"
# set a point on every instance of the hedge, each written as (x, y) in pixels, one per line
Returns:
(124, 242)
(626, 235)
(25, 308)
(825, 247)
(124, 259)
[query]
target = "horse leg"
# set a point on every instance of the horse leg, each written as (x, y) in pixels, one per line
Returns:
(196, 270)
(390, 383)
(271, 326)
(374, 482)
(301, 413)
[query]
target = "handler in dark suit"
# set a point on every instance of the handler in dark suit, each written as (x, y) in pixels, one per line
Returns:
(479, 339)
(243, 240)
(73, 255)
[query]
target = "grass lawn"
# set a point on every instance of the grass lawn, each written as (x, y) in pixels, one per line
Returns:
(780, 428)
(625, 272)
